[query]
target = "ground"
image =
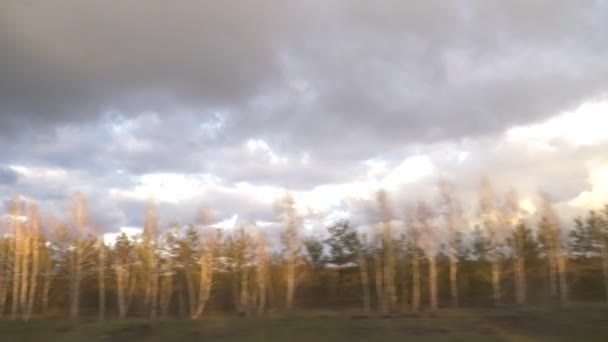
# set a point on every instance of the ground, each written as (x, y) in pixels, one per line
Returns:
(576, 323)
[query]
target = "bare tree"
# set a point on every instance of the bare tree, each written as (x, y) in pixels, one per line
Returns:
(34, 223)
(5, 269)
(244, 245)
(514, 220)
(551, 232)
(125, 277)
(378, 273)
(454, 221)
(80, 219)
(428, 242)
(209, 247)
(261, 273)
(291, 241)
(151, 260)
(49, 262)
(603, 236)
(101, 276)
(414, 243)
(26, 255)
(16, 228)
(491, 220)
(166, 274)
(364, 274)
(388, 250)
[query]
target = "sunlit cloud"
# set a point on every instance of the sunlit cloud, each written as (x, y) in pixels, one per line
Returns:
(586, 125)
(598, 195)
(166, 187)
(410, 170)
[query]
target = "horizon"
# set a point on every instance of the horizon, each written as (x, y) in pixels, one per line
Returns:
(330, 101)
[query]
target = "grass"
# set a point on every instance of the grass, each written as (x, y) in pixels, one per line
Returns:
(576, 323)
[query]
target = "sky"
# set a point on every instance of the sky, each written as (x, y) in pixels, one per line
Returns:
(230, 104)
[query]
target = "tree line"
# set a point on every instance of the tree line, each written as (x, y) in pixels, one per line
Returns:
(431, 256)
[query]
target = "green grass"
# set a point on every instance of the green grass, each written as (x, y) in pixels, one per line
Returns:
(577, 323)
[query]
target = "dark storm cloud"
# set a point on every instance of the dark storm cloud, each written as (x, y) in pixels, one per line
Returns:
(411, 71)
(7, 176)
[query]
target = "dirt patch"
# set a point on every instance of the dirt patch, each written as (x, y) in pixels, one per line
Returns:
(420, 330)
(130, 333)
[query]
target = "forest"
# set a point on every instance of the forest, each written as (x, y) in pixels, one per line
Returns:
(430, 257)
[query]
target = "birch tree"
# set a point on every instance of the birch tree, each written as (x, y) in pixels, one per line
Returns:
(414, 242)
(378, 273)
(388, 251)
(291, 241)
(166, 272)
(602, 235)
(80, 220)
(17, 230)
(261, 272)
(150, 260)
(491, 221)
(454, 221)
(34, 236)
(101, 276)
(209, 247)
(124, 257)
(551, 234)
(514, 220)
(5, 268)
(428, 242)
(364, 273)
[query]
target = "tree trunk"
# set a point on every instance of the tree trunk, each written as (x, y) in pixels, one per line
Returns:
(16, 267)
(563, 281)
(404, 283)
(551, 259)
(496, 293)
(4, 275)
(80, 219)
(364, 282)
(520, 284)
(46, 288)
(75, 300)
(605, 266)
(102, 280)
(191, 294)
(433, 282)
(132, 283)
(415, 280)
(495, 269)
(379, 283)
(206, 262)
(25, 268)
(291, 282)
(154, 299)
(166, 294)
(121, 291)
(519, 268)
(389, 271)
(244, 303)
(35, 245)
(261, 272)
(454, 280)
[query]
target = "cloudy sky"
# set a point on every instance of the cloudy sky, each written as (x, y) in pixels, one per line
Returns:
(229, 104)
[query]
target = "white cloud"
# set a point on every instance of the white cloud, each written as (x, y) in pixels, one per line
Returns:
(410, 170)
(166, 187)
(44, 174)
(598, 195)
(260, 148)
(587, 125)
